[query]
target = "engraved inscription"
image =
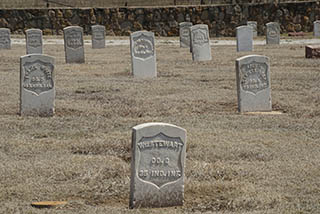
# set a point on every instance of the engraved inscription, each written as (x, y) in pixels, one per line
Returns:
(160, 159)
(200, 37)
(254, 77)
(74, 39)
(272, 32)
(4, 38)
(98, 35)
(143, 47)
(34, 40)
(38, 76)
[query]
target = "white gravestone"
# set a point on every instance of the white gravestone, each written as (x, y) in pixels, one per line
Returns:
(200, 43)
(244, 38)
(5, 38)
(98, 36)
(143, 54)
(73, 44)
(273, 33)
(37, 85)
(253, 84)
(316, 28)
(34, 41)
(157, 167)
(253, 24)
(184, 32)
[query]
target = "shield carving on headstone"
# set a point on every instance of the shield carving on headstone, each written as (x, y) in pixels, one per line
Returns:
(160, 159)
(143, 47)
(38, 76)
(74, 39)
(254, 77)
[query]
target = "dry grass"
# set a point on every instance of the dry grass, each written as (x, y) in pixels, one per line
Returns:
(235, 163)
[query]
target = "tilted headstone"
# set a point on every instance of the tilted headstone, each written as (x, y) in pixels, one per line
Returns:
(316, 28)
(73, 44)
(143, 54)
(37, 85)
(200, 42)
(34, 41)
(273, 33)
(5, 39)
(253, 83)
(157, 167)
(184, 32)
(98, 36)
(254, 26)
(244, 38)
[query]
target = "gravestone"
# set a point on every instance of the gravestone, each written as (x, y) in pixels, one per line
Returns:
(313, 51)
(34, 41)
(253, 83)
(200, 43)
(316, 28)
(157, 167)
(5, 40)
(98, 36)
(273, 33)
(244, 38)
(143, 54)
(37, 86)
(253, 24)
(73, 44)
(184, 32)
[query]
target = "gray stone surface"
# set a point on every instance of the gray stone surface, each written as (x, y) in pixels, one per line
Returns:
(253, 83)
(143, 54)
(34, 41)
(37, 85)
(98, 36)
(5, 38)
(157, 167)
(316, 28)
(273, 33)
(73, 44)
(200, 43)
(184, 32)
(254, 26)
(244, 38)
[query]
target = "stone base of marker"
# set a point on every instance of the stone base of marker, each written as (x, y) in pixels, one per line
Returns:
(37, 87)
(313, 51)
(157, 167)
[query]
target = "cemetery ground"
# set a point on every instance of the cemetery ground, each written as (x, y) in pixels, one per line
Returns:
(236, 163)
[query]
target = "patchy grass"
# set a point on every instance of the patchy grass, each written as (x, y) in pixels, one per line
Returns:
(235, 163)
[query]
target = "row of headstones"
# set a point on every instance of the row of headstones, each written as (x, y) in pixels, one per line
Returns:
(37, 83)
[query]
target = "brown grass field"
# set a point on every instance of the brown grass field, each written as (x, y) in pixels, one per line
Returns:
(253, 164)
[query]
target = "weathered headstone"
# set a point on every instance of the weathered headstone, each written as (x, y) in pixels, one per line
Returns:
(37, 86)
(253, 83)
(184, 32)
(200, 43)
(98, 36)
(34, 41)
(273, 33)
(73, 44)
(244, 38)
(5, 39)
(143, 54)
(157, 167)
(316, 28)
(313, 51)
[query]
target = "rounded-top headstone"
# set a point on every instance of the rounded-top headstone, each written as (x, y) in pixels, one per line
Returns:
(34, 41)
(157, 167)
(73, 44)
(5, 38)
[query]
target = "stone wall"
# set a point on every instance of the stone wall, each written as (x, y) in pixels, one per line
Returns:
(222, 20)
